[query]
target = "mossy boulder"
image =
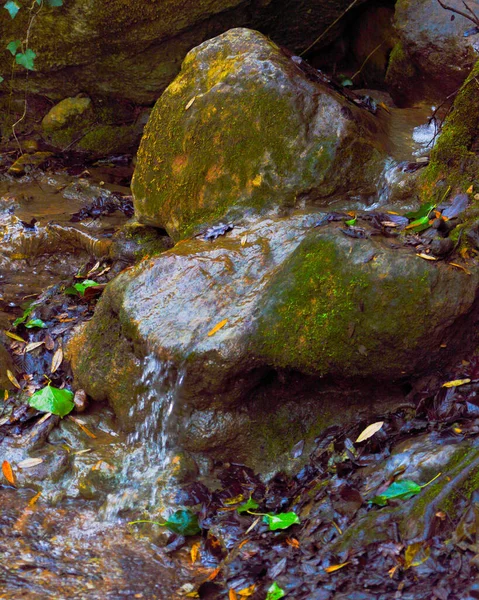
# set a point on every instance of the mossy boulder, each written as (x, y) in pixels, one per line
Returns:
(242, 129)
(277, 295)
(432, 57)
(132, 49)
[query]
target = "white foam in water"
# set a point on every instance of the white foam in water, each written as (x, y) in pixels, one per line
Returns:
(147, 459)
(424, 136)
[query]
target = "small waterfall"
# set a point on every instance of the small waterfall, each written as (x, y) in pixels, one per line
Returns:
(145, 469)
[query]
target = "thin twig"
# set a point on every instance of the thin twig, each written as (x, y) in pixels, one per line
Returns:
(366, 60)
(474, 18)
(328, 28)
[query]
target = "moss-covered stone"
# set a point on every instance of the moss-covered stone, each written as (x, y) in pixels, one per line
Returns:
(242, 129)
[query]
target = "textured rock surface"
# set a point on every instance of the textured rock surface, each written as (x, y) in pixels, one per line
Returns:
(243, 129)
(5, 363)
(432, 57)
(132, 50)
(290, 298)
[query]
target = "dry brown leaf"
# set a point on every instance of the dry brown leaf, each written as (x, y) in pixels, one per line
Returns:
(14, 336)
(369, 431)
(217, 327)
(8, 472)
(334, 568)
(456, 383)
(82, 427)
(57, 359)
(49, 343)
(32, 346)
(293, 542)
(30, 462)
(13, 379)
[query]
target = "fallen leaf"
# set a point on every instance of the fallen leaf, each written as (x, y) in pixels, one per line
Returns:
(369, 431)
(190, 103)
(13, 379)
(213, 574)
(416, 554)
(218, 327)
(8, 473)
(232, 595)
(470, 189)
(427, 256)
(334, 568)
(460, 267)
(49, 343)
(293, 542)
(34, 500)
(456, 383)
(195, 552)
(32, 346)
(30, 462)
(14, 336)
(82, 427)
(57, 360)
(249, 591)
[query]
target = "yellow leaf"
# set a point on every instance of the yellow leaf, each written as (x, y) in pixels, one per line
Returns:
(218, 327)
(14, 336)
(82, 427)
(235, 500)
(426, 256)
(334, 568)
(13, 379)
(232, 595)
(5, 395)
(416, 554)
(57, 360)
(456, 383)
(8, 473)
(190, 103)
(34, 500)
(460, 267)
(369, 431)
(213, 574)
(249, 591)
(470, 190)
(195, 551)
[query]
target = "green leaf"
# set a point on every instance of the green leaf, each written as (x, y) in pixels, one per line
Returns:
(79, 288)
(248, 505)
(275, 592)
(35, 323)
(351, 222)
(54, 2)
(1, 79)
(26, 59)
(12, 8)
(398, 490)
(183, 522)
(24, 317)
(51, 399)
(281, 521)
(419, 224)
(423, 211)
(14, 46)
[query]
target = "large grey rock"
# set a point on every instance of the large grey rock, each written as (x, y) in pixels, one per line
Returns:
(243, 129)
(432, 57)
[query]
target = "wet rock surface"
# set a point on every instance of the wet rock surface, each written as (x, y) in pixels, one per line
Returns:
(216, 144)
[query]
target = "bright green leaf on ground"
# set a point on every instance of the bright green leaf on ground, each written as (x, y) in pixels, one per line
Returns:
(79, 288)
(423, 211)
(13, 46)
(281, 521)
(26, 313)
(275, 592)
(12, 7)
(419, 224)
(351, 222)
(183, 522)
(35, 323)
(248, 505)
(26, 59)
(53, 400)
(398, 490)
